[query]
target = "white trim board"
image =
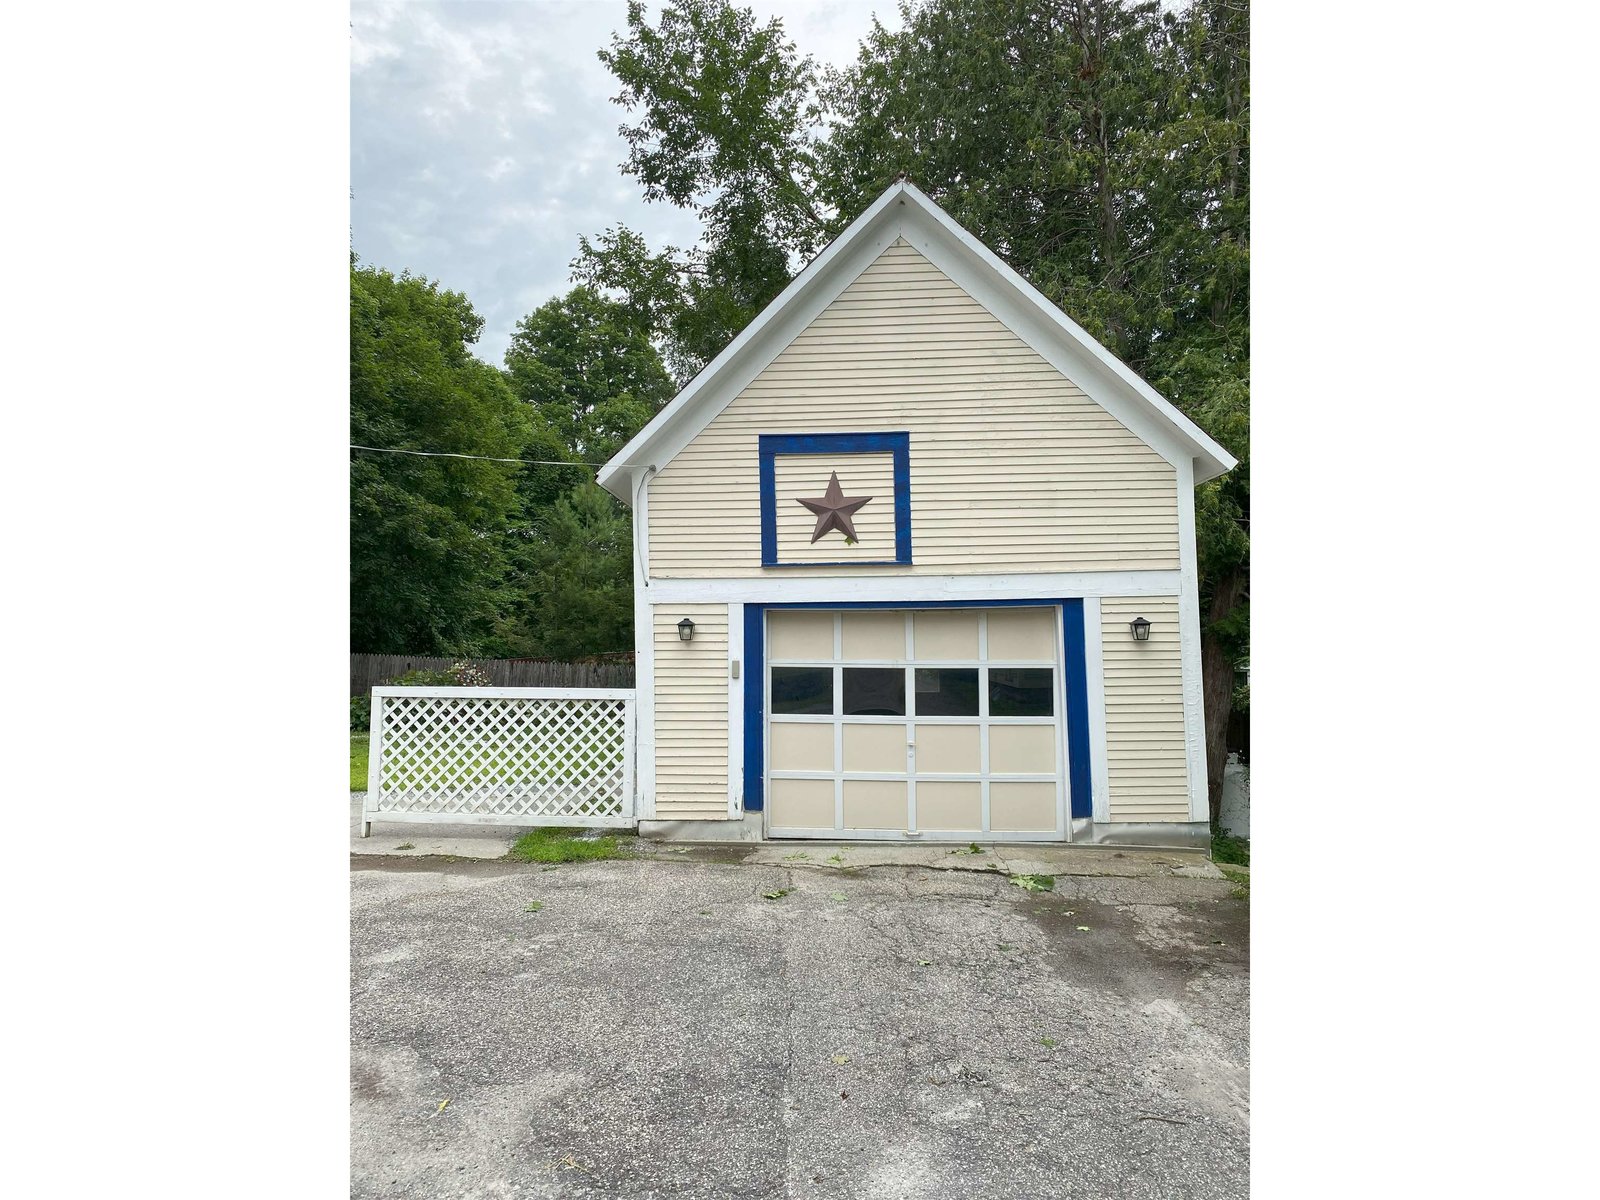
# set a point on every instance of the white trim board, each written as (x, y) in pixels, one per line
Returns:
(905, 211)
(513, 693)
(1194, 719)
(644, 658)
(736, 669)
(789, 588)
(1095, 681)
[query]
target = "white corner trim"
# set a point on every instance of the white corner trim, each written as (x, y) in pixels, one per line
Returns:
(736, 709)
(786, 587)
(1095, 672)
(644, 659)
(1194, 721)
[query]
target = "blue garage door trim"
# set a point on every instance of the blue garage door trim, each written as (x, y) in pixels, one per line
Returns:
(1079, 778)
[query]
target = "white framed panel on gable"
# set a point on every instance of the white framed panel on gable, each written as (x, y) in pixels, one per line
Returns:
(931, 724)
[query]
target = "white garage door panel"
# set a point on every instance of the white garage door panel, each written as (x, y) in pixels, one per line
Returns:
(801, 636)
(878, 804)
(802, 803)
(874, 748)
(947, 723)
(949, 805)
(948, 749)
(803, 747)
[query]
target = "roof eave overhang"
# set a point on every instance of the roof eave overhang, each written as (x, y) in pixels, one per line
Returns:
(905, 208)
(748, 345)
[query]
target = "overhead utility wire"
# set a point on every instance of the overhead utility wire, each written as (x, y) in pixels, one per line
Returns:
(532, 462)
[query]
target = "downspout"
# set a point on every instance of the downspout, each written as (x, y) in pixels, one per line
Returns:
(641, 528)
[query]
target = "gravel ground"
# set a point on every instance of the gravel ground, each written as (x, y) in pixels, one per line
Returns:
(661, 1029)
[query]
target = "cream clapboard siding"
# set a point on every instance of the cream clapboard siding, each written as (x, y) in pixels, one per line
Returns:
(691, 717)
(1148, 767)
(797, 475)
(1013, 468)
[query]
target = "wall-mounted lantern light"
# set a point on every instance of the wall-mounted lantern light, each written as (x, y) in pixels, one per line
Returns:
(1140, 628)
(685, 629)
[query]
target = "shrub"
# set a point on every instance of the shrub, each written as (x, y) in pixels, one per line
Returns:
(461, 674)
(469, 675)
(1225, 848)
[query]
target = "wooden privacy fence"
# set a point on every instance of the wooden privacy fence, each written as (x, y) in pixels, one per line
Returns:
(500, 756)
(368, 671)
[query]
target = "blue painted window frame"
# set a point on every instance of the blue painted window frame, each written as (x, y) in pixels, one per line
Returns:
(1080, 779)
(770, 445)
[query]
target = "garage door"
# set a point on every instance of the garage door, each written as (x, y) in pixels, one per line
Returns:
(930, 724)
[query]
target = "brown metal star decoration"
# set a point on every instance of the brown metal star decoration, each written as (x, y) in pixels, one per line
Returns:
(834, 510)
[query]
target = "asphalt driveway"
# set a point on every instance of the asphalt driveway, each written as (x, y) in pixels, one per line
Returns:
(659, 1028)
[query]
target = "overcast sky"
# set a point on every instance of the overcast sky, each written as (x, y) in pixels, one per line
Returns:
(484, 142)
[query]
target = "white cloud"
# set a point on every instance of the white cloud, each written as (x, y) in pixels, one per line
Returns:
(484, 142)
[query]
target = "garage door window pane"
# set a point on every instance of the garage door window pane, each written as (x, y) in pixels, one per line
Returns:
(874, 692)
(802, 689)
(947, 691)
(1021, 692)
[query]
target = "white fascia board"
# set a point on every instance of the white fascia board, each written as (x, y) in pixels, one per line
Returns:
(844, 590)
(1210, 459)
(905, 211)
(757, 344)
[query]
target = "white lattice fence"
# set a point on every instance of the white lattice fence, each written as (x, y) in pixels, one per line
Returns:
(501, 756)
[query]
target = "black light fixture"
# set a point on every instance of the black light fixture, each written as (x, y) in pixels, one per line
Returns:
(1140, 628)
(685, 629)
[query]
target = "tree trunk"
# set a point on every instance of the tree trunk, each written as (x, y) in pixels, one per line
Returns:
(1216, 683)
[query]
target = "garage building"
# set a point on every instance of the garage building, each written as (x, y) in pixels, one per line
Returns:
(915, 560)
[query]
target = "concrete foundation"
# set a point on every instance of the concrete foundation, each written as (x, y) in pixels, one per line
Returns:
(1188, 835)
(747, 829)
(1194, 835)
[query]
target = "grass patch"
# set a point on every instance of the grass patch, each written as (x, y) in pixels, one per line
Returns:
(563, 845)
(1034, 883)
(360, 744)
(1239, 879)
(1225, 848)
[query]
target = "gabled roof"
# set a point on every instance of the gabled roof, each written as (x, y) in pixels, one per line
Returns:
(905, 211)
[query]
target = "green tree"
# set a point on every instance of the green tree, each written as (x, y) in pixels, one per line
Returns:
(575, 589)
(427, 535)
(587, 367)
(590, 377)
(726, 110)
